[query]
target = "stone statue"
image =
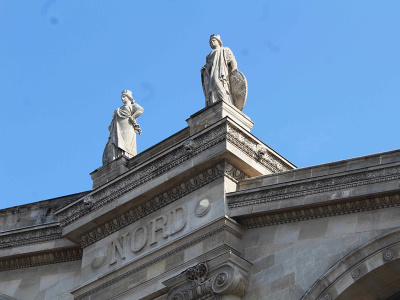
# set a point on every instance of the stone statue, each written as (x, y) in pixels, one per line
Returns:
(221, 79)
(123, 130)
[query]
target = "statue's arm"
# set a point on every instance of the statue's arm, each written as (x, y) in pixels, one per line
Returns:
(138, 111)
(232, 60)
(234, 65)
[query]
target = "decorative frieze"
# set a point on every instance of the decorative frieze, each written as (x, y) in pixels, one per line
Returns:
(187, 150)
(256, 150)
(148, 172)
(320, 211)
(314, 186)
(174, 251)
(30, 236)
(39, 259)
(161, 200)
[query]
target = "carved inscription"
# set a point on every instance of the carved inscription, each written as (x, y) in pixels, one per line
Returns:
(154, 233)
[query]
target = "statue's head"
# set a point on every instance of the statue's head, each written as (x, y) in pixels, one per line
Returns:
(126, 97)
(215, 41)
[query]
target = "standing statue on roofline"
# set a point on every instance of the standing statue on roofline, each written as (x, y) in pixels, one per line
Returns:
(123, 130)
(221, 79)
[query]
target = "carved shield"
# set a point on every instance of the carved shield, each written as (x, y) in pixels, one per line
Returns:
(238, 89)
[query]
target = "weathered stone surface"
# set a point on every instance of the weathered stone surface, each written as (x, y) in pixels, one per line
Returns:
(33, 214)
(48, 282)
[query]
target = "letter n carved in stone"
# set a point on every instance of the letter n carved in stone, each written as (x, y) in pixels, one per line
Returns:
(118, 246)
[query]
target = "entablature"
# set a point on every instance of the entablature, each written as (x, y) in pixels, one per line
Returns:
(359, 184)
(142, 189)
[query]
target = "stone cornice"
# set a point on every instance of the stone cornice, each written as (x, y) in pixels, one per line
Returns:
(174, 251)
(250, 146)
(57, 203)
(319, 211)
(161, 200)
(170, 159)
(286, 191)
(138, 177)
(28, 236)
(40, 259)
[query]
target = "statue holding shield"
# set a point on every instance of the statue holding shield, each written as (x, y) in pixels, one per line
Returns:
(221, 79)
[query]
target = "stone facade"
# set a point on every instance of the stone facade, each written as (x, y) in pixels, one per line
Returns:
(211, 213)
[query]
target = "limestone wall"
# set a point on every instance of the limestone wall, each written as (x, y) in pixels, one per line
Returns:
(289, 258)
(48, 282)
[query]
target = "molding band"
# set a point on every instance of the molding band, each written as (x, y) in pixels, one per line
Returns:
(320, 211)
(314, 187)
(32, 236)
(143, 175)
(40, 259)
(161, 200)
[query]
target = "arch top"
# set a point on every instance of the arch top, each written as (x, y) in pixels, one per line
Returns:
(373, 265)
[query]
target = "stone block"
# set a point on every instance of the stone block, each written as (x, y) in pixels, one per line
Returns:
(340, 225)
(313, 228)
(251, 237)
(268, 275)
(282, 283)
(156, 269)
(286, 233)
(176, 260)
(137, 278)
(284, 254)
(263, 264)
(378, 219)
(210, 115)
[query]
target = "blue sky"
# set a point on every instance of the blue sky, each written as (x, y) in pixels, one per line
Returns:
(323, 76)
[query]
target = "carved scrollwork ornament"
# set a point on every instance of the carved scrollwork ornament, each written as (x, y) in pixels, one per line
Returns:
(225, 281)
(197, 273)
(229, 281)
(178, 296)
(201, 285)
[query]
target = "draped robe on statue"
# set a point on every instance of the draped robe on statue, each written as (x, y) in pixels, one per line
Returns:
(122, 138)
(215, 76)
